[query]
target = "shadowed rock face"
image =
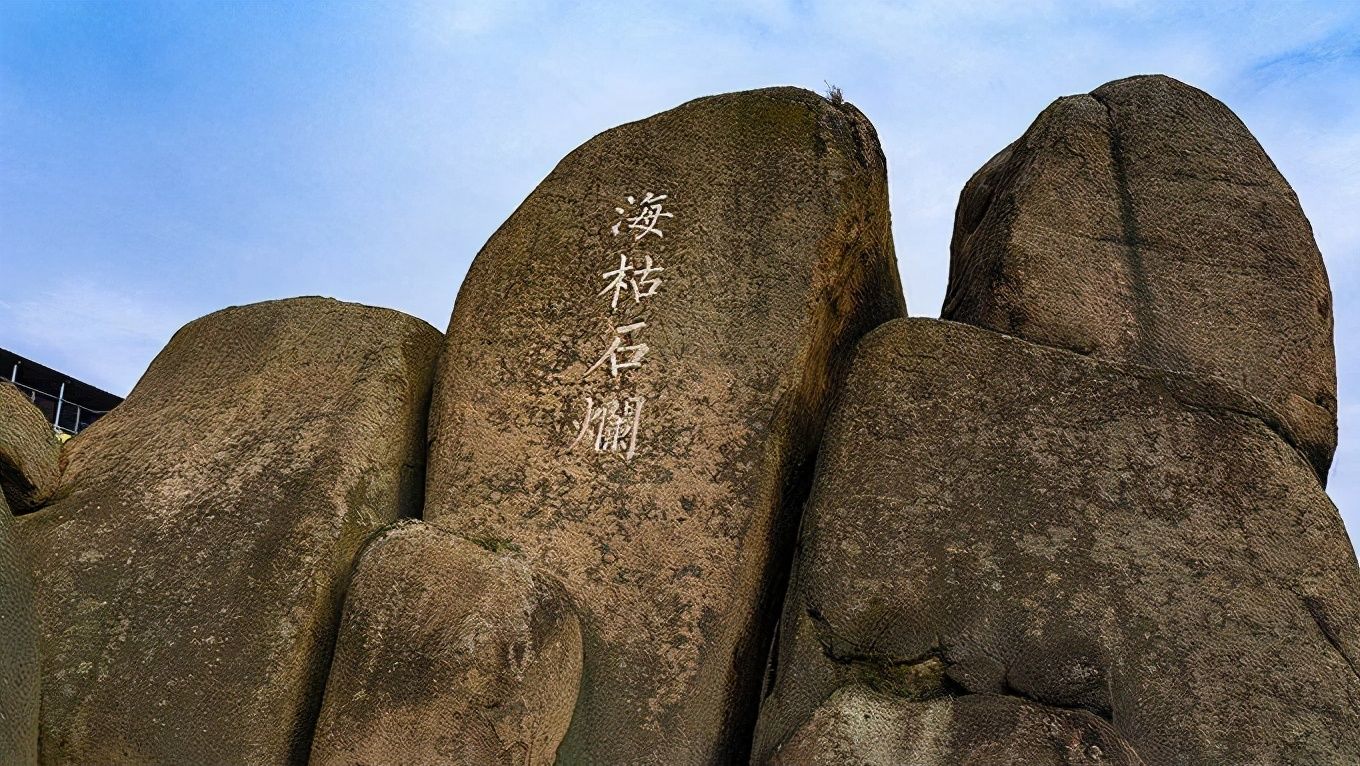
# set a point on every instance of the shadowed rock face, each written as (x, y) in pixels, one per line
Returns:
(449, 653)
(860, 726)
(190, 568)
(29, 467)
(773, 236)
(29, 452)
(1144, 223)
(996, 517)
(19, 688)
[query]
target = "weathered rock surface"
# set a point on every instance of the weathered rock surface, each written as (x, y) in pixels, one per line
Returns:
(19, 686)
(860, 726)
(768, 212)
(992, 516)
(30, 456)
(1144, 223)
(449, 653)
(191, 568)
(29, 468)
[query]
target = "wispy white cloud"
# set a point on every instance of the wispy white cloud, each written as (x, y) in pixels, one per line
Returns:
(105, 336)
(451, 23)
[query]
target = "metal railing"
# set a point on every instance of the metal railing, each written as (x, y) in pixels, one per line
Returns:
(59, 402)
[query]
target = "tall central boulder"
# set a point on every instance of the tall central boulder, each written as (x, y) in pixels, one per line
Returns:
(633, 385)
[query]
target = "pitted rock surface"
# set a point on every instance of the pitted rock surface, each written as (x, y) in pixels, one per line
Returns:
(1144, 223)
(191, 569)
(992, 516)
(30, 456)
(773, 236)
(867, 728)
(19, 674)
(450, 652)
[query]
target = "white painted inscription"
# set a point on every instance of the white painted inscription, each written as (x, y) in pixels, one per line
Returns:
(613, 424)
(646, 215)
(634, 352)
(640, 283)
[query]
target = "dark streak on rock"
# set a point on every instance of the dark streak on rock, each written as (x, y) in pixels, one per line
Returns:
(1319, 615)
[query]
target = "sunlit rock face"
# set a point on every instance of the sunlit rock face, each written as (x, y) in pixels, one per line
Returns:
(191, 567)
(635, 378)
(995, 517)
(1142, 222)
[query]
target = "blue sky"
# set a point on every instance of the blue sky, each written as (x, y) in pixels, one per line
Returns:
(159, 161)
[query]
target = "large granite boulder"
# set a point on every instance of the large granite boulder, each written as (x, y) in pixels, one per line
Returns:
(30, 455)
(19, 688)
(1143, 223)
(995, 517)
(190, 570)
(633, 386)
(450, 652)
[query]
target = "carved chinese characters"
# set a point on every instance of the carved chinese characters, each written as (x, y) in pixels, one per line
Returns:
(612, 424)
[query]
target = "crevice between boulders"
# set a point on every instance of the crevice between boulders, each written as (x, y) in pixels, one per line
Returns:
(860, 290)
(410, 501)
(928, 677)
